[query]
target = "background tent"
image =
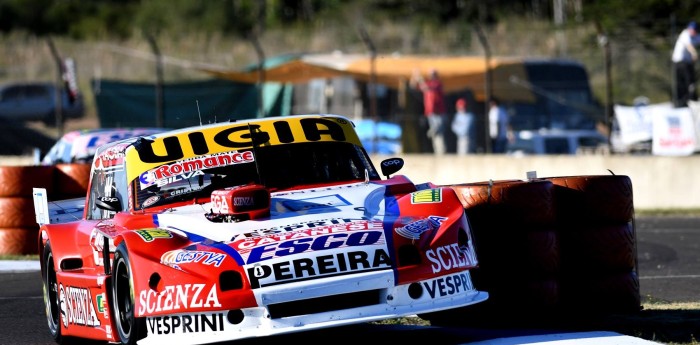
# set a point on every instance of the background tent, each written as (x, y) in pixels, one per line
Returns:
(394, 71)
(124, 104)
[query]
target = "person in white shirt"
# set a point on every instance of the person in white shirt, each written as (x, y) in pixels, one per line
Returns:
(684, 57)
(463, 126)
(499, 127)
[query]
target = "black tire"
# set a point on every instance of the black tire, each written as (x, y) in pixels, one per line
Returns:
(19, 241)
(592, 199)
(19, 181)
(51, 295)
(542, 254)
(602, 293)
(129, 328)
(508, 202)
(71, 180)
(527, 253)
(599, 249)
(16, 212)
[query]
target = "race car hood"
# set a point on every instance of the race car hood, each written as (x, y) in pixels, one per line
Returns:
(342, 223)
(358, 227)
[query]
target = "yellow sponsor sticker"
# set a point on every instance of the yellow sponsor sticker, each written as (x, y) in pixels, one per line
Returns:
(427, 196)
(149, 235)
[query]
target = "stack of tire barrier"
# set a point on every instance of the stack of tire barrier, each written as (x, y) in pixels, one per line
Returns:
(18, 227)
(514, 227)
(598, 243)
(552, 247)
(71, 181)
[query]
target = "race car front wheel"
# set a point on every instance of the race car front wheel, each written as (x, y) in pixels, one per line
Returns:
(51, 295)
(130, 328)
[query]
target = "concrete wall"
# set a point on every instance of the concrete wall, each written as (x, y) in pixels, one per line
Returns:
(657, 182)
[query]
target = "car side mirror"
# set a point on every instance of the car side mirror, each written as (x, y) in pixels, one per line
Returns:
(391, 165)
(108, 203)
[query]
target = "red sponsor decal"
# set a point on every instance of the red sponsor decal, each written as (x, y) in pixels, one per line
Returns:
(245, 245)
(202, 162)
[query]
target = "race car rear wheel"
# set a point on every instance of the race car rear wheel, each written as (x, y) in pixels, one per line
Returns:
(129, 327)
(51, 295)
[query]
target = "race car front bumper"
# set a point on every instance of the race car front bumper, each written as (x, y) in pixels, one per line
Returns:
(316, 304)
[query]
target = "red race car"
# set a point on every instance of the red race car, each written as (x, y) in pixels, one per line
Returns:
(246, 229)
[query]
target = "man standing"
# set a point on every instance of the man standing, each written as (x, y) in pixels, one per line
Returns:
(434, 107)
(462, 126)
(684, 57)
(499, 127)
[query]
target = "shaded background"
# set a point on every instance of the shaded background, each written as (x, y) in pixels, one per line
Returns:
(624, 46)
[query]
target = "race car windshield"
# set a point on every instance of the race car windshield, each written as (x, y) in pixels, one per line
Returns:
(276, 167)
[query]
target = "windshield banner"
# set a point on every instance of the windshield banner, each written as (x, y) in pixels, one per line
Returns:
(211, 140)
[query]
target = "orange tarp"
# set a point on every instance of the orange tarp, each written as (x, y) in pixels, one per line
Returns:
(457, 73)
(295, 71)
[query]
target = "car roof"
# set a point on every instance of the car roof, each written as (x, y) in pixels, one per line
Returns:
(81, 144)
(560, 133)
(73, 135)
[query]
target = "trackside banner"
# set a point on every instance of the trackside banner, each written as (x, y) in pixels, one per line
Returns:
(230, 138)
(671, 130)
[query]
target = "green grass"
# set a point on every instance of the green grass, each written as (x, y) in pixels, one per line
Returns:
(668, 212)
(19, 257)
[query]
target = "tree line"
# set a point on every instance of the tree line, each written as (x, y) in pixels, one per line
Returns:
(99, 19)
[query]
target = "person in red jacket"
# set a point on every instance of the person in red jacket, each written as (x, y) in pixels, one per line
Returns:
(434, 107)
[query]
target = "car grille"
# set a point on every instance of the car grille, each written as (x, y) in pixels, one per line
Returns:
(325, 304)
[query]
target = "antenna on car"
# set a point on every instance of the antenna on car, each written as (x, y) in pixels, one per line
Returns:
(199, 112)
(255, 153)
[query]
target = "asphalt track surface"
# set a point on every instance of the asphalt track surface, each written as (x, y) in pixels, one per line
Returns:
(668, 251)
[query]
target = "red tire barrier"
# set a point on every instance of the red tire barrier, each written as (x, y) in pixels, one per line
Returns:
(543, 246)
(20, 180)
(512, 202)
(599, 249)
(598, 244)
(514, 225)
(529, 253)
(510, 292)
(591, 199)
(17, 212)
(516, 239)
(542, 253)
(19, 241)
(71, 180)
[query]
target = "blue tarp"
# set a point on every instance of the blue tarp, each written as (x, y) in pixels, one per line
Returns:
(379, 137)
